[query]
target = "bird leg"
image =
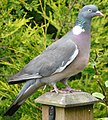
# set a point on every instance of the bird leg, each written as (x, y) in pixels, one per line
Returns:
(57, 90)
(68, 88)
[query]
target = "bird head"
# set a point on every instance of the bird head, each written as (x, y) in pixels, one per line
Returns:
(89, 11)
(85, 16)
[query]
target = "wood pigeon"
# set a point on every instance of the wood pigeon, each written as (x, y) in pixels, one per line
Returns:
(64, 58)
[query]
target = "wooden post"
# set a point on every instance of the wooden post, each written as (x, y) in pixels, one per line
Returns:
(69, 106)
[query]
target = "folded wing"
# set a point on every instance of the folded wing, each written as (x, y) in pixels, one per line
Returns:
(53, 60)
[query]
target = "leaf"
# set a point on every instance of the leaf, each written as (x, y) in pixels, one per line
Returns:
(101, 119)
(106, 83)
(98, 95)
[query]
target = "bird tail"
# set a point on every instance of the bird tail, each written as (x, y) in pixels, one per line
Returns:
(12, 109)
(28, 89)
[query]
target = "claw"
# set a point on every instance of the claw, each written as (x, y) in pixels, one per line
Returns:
(57, 90)
(70, 90)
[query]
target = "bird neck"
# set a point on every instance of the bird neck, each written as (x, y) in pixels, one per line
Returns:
(83, 23)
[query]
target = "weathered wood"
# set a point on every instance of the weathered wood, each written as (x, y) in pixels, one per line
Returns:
(66, 100)
(69, 106)
(45, 112)
(75, 113)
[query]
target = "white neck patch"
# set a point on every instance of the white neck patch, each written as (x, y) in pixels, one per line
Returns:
(77, 30)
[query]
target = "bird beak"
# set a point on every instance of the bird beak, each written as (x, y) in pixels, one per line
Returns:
(98, 13)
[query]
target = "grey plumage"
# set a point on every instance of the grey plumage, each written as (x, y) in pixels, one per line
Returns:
(48, 62)
(61, 60)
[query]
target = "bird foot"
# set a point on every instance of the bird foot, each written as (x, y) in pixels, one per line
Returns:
(70, 90)
(58, 91)
(66, 90)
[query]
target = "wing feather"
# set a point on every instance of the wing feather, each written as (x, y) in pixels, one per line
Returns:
(53, 60)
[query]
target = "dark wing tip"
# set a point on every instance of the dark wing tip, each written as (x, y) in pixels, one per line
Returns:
(11, 110)
(16, 82)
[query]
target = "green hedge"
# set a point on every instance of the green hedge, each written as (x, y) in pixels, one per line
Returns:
(27, 28)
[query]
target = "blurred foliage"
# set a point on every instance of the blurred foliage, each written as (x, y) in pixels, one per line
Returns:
(27, 27)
